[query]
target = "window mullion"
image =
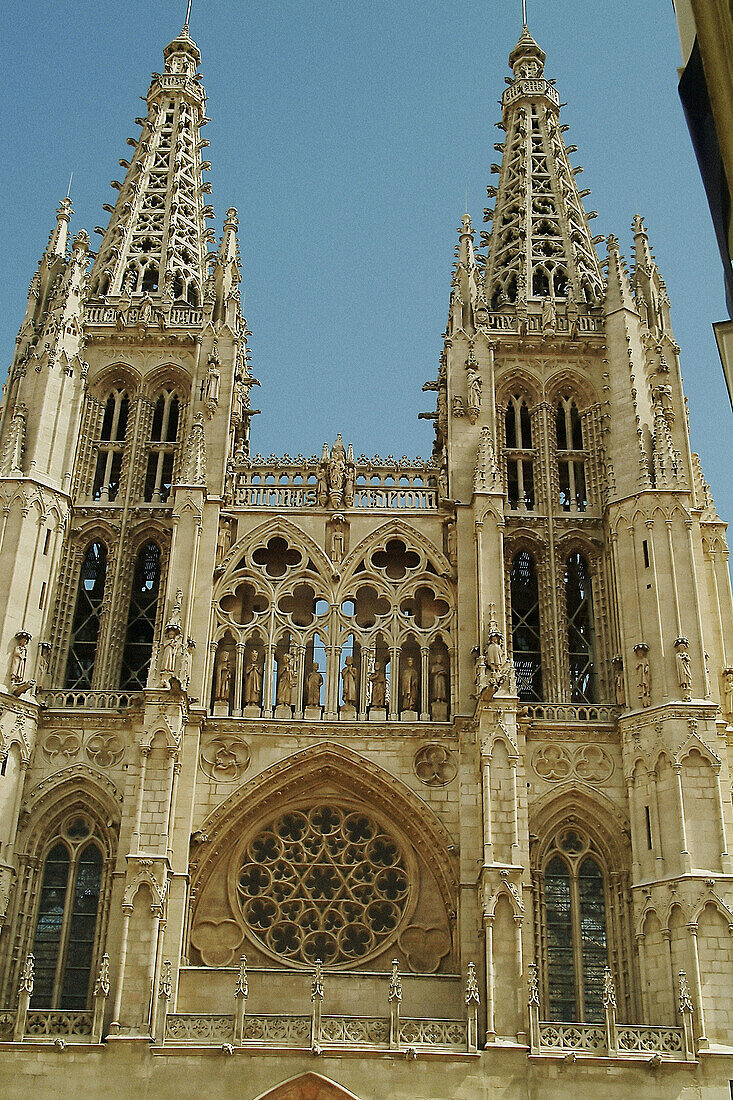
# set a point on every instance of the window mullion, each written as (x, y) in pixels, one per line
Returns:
(58, 981)
(577, 943)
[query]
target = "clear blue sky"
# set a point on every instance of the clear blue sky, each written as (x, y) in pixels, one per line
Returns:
(348, 136)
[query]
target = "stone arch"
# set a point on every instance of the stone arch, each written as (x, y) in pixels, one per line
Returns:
(518, 383)
(308, 1086)
(167, 374)
(575, 803)
(113, 375)
(344, 775)
(394, 528)
(568, 383)
(278, 525)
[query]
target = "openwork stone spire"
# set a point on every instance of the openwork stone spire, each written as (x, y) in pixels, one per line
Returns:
(541, 244)
(156, 240)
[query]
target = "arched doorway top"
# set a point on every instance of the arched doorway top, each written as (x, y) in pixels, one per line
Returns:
(308, 1086)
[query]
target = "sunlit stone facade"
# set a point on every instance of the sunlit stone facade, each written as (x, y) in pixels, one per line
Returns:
(352, 776)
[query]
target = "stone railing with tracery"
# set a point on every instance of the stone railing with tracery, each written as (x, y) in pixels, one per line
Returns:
(71, 1026)
(564, 713)
(176, 317)
(75, 699)
(379, 484)
(319, 1032)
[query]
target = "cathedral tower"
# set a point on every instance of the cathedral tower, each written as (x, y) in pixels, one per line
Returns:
(424, 762)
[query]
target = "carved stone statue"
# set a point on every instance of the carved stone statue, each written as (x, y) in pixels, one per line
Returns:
(350, 683)
(213, 384)
(169, 660)
(684, 668)
(439, 680)
(378, 681)
(20, 658)
(474, 388)
(322, 486)
(728, 691)
(186, 664)
(451, 542)
(223, 679)
(337, 473)
(618, 681)
(313, 686)
(408, 685)
(495, 659)
(549, 314)
(224, 540)
(641, 649)
(253, 679)
(480, 675)
(285, 681)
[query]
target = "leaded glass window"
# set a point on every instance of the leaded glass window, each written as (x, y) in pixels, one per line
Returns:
(579, 604)
(519, 456)
(66, 921)
(162, 448)
(575, 927)
(111, 446)
(85, 625)
(570, 457)
(526, 650)
(141, 618)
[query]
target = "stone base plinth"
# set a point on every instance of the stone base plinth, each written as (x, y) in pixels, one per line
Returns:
(439, 712)
(408, 716)
(347, 713)
(221, 710)
(251, 711)
(282, 710)
(377, 714)
(312, 714)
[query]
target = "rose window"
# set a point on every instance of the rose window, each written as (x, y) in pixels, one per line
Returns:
(325, 884)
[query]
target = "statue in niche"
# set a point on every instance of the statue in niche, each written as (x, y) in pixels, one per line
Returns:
(480, 673)
(213, 381)
(322, 486)
(224, 540)
(253, 679)
(643, 674)
(728, 691)
(408, 685)
(684, 668)
(169, 660)
(474, 385)
(20, 658)
(313, 686)
(495, 659)
(338, 548)
(378, 681)
(451, 542)
(572, 313)
(618, 681)
(174, 620)
(549, 314)
(350, 683)
(285, 681)
(439, 680)
(223, 679)
(186, 664)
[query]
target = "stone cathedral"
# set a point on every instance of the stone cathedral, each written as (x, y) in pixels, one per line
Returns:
(348, 776)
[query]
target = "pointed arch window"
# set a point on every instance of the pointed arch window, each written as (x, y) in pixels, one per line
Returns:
(581, 644)
(162, 447)
(87, 611)
(526, 647)
(575, 928)
(141, 618)
(66, 922)
(519, 455)
(570, 457)
(111, 447)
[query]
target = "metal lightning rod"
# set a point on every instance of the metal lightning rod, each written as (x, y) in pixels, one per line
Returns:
(524, 12)
(188, 12)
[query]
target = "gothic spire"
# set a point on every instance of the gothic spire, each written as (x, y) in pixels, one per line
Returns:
(156, 241)
(541, 244)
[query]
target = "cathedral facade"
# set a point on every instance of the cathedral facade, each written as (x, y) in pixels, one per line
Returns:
(347, 776)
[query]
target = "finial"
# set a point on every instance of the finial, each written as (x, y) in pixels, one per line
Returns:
(188, 16)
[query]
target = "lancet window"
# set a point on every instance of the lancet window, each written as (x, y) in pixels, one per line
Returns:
(570, 457)
(575, 930)
(581, 647)
(289, 642)
(162, 447)
(519, 455)
(87, 611)
(66, 919)
(141, 618)
(111, 447)
(525, 615)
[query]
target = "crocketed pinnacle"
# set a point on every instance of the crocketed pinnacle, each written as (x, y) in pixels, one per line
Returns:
(541, 244)
(156, 242)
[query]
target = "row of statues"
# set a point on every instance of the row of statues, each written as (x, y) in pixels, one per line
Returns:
(286, 682)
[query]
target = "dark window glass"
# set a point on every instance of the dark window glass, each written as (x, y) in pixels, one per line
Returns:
(85, 626)
(141, 619)
(593, 936)
(49, 924)
(526, 650)
(82, 926)
(580, 630)
(560, 958)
